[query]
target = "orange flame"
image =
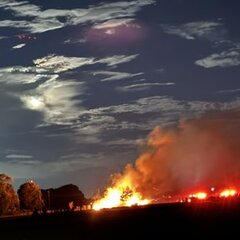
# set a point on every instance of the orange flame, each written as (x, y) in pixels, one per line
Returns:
(199, 195)
(228, 193)
(120, 195)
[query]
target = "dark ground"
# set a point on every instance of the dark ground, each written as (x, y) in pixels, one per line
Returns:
(163, 221)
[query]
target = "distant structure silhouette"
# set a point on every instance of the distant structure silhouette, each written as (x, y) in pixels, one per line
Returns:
(60, 198)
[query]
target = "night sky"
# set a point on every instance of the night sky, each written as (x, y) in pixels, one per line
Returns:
(82, 83)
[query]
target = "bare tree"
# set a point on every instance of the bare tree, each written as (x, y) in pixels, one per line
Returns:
(9, 201)
(30, 196)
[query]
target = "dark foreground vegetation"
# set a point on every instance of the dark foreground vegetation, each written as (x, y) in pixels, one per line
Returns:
(166, 221)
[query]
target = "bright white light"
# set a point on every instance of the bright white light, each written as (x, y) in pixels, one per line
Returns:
(35, 103)
(110, 31)
(32, 102)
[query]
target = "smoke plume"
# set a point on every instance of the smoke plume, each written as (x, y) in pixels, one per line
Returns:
(198, 153)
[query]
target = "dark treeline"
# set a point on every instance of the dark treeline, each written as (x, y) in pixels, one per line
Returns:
(30, 198)
(65, 197)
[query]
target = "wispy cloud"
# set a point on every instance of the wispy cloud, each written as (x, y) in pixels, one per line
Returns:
(35, 26)
(21, 8)
(193, 30)
(49, 19)
(57, 64)
(212, 31)
(230, 90)
(19, 46)
(18, 156)
(117, 59)
(228, 58)
(74, 160)
(122, 142)
(75, 41)
(165, 109)
(22, 75)
(51, 64)
(18, 170)
(29, 168)
(115, 76)
(57, 98)
(113, 23)
(142, 86)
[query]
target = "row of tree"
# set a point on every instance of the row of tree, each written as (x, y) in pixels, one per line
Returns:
(31, 197)
(28, 196)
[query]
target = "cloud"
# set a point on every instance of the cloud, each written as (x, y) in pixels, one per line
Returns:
(142, 86)
(115, 76)
(149, 104)
(193, 30)
(58, 99)
(230, 90)
(49, 19)
(52, 96)
(22, 170)
(117, 59)
(118, 27)
(122, 142)
(57, 64)
(48, 66)
(22, 75)
(22, 8)
(19, 46)
(35, 26)
(76, 161)
(55, 99)
(151, 111)
(228, 58)
(79, 171)
(113, 23)
(21, 69)
(75, 41)
(30, 168)
(212, 31)
(18, 156)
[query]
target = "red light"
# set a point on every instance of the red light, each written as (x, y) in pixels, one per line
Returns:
(228, 193)
(199, 195)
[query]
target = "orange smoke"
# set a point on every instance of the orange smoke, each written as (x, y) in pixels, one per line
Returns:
(198, 152)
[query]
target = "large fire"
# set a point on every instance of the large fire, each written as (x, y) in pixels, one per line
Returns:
(196, 154)
(120, 195)
(211, 195)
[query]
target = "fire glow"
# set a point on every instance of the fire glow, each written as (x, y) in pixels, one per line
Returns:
(199, 195)
(120, 196)
(228, 193)
(176, 160)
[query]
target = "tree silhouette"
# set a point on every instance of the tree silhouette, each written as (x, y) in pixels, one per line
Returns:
(9, 201)
(61, 197)
(30, 196)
